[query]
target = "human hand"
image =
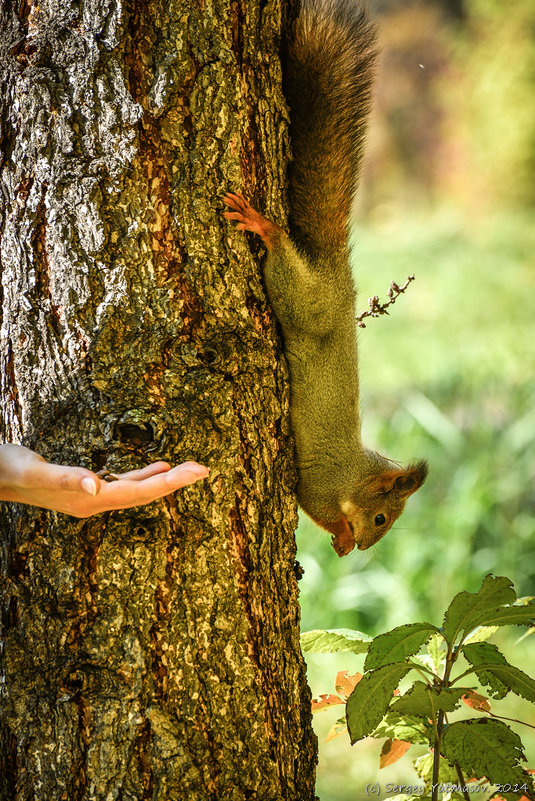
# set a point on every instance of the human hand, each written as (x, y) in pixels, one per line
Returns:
(25, 477)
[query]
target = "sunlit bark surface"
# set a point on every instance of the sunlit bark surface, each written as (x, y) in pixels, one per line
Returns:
(151, 653)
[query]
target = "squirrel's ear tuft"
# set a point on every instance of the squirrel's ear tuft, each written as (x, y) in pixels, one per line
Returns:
(400, 482)
(411, 479)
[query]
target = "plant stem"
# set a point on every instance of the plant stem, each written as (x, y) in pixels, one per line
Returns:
(513, 720)
(436, 755)
(450, 660)
(461, 780)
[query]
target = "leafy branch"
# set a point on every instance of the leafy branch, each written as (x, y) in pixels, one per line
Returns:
(483, 749)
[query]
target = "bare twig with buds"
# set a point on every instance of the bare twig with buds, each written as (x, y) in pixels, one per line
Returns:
(376, 309)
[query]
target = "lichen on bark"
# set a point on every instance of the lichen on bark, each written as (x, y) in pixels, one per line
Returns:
(150, 653)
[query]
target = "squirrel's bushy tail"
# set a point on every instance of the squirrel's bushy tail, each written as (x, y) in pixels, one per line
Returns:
(329, 78)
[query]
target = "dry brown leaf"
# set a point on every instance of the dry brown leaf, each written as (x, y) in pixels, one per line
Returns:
(326, 700)
(476, 701)
(345, 684)
(391, 751)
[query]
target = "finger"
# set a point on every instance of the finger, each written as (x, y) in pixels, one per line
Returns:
(145, 472)
(126, 493)
(186, 473)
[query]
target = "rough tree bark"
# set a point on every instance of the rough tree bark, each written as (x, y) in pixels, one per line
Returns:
(151, 653)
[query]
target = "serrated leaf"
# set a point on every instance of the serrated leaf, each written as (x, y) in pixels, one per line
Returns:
(426, 701)
(336, 729)
(332, 640)
(391, 751)
(476, 701)
(398, 644)
(514, 797)
(325, 701)
(345, 684)
(529, 633)
(510, 616)
(487, 654)
(468, 609)
(481, 633)
(436, 651)
(493, 670)
(408, 728)
(485, 748)
(367, 704)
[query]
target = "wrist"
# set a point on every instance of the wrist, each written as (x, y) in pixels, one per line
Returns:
(3, 467)
(15, 461)
(6, 477)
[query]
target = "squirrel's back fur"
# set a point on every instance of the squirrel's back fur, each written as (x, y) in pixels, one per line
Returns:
(329, 74)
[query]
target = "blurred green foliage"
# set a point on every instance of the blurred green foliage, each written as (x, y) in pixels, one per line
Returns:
(454, 107)
(491, 105)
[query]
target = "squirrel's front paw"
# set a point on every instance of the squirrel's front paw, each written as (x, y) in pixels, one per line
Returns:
(248, 219)
(241, 207)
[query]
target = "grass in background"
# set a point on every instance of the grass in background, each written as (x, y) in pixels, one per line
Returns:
(448, 376)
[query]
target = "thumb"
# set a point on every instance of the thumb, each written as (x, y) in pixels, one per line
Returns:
(75, 479)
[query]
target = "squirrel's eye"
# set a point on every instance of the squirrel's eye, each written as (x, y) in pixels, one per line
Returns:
(379, 520)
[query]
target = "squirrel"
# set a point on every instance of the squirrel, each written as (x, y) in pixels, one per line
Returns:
(354, 493)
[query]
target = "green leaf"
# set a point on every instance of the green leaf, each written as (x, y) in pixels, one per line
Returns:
(331, 640)
(408, 728)
(427, 701)
(398, 644)
(338, 728)
(437, 654)
(485, 748)
(510, 616)
(367, 704)
(481, 633)
(424, 768)
(529, 633)
(494, 670)
(469, 609)
(409, 797)
(478, 654)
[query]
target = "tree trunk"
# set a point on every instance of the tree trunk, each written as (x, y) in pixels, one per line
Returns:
(151, 653)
